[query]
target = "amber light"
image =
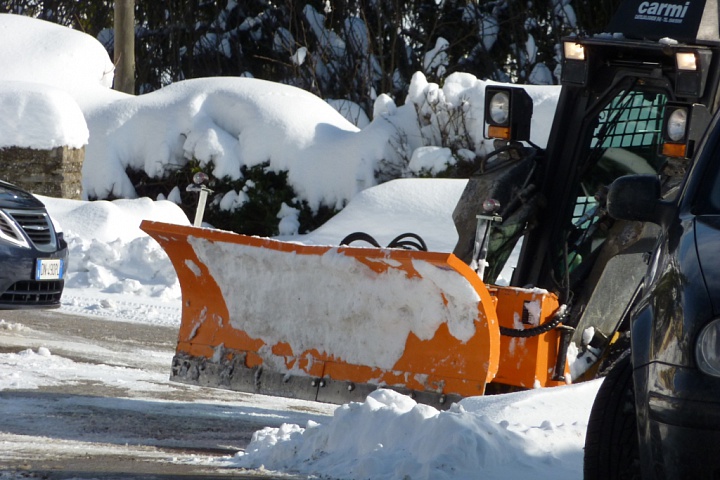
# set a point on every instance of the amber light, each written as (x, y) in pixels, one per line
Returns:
(674, 149)
(495, 131)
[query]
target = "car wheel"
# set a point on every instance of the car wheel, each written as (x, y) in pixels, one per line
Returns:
(611, 444)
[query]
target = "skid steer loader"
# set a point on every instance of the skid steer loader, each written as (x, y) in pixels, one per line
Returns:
(266, 316)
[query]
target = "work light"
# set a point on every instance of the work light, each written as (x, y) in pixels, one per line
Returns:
(677, 124)
(574, 64)
(573, 51)
(683, 126)
(675, 130)
(500, 108)
(508, 112)
(691, 71)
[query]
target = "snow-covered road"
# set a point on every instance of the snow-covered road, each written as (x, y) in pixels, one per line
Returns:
(83, 397)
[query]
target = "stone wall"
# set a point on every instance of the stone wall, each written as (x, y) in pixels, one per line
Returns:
(53, 173)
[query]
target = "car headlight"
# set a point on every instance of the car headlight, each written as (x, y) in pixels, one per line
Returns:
(500, 108)
(707, 349)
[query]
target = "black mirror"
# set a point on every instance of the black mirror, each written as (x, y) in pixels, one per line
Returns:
(636, 198)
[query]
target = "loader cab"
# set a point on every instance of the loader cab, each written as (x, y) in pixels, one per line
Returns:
(611, 120)
(615, 111)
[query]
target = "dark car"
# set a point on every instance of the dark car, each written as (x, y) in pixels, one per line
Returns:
(33, 254)
(657, 414)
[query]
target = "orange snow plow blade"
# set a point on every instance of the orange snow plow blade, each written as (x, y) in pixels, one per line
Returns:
(333, 324)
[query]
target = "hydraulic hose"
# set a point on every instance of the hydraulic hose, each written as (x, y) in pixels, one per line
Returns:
(559, 316)
(406, 241)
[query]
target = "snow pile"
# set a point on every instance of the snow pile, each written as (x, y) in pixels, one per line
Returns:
(391, 436)
(7, 326)
(43, 52)
(420, 206)
(39, 117)
(110, 255)
(45, 70)
(113, 267)
(229, 123)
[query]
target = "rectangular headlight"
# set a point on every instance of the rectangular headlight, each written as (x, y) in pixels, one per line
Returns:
(574, 51)
(692, 68)
(686, 61)
(574, 64)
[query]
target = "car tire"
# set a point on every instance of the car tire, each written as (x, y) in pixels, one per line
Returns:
(611, 444)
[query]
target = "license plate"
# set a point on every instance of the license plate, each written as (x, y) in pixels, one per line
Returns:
(49, 269)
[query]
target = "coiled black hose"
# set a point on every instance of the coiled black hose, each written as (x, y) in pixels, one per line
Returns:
(406, 241)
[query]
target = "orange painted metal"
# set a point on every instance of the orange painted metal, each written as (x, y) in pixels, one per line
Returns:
(441, 364)
(527, 362)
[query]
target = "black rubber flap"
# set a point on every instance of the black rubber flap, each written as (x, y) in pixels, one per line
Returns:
(685, 21)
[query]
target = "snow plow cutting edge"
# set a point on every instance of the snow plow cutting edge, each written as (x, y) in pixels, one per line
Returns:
(334, 323)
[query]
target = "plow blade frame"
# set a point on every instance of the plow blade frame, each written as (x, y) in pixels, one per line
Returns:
(216, 348)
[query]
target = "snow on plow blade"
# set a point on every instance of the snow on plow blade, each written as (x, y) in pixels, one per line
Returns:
(334, 323)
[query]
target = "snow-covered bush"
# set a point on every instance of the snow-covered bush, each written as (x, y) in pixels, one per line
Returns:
(259, 202)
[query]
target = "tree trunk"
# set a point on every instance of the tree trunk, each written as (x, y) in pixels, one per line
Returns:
(124, 46)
